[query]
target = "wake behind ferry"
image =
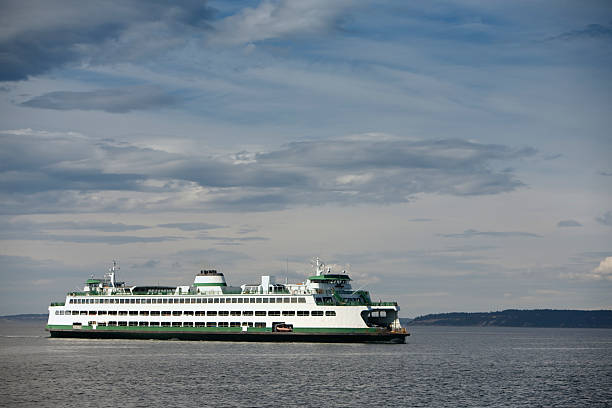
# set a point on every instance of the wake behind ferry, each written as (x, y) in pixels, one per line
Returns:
(324, 308)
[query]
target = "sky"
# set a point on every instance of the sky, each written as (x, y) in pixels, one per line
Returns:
(450, 155)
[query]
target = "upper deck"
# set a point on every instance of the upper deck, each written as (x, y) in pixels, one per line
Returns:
(324, 287)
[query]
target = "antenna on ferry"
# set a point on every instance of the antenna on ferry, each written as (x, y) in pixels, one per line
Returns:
(320, 266)
(111, 273)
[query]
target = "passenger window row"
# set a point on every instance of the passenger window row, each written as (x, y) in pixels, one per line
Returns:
(177, 324)
(207, 299)
(196, 313)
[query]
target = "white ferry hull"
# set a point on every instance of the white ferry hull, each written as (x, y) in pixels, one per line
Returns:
(324, 308)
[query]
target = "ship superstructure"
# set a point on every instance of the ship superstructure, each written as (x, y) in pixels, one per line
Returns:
(322, 308)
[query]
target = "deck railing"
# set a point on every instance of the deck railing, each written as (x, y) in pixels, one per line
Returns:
(336, 302)
(382, 304)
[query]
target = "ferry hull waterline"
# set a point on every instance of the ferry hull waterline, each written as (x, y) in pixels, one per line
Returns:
(323, 309)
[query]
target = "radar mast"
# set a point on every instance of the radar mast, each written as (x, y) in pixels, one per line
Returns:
(111, 273)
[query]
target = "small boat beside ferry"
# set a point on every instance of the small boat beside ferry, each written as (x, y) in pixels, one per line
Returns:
(323, 308)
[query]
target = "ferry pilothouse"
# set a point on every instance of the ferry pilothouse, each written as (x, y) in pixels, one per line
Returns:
(324, 308)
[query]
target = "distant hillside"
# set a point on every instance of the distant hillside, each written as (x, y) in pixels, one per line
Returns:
(521, 318)
(26, 317)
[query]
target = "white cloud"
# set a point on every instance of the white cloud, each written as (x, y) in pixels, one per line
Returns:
(41, 133)
(278, 19)
(354, 178)
(601, 272)
(604, 270)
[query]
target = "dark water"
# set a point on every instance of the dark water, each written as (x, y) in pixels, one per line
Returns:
(438, 367)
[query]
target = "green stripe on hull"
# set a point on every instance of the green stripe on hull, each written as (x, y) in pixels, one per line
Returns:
(214, 334)
(335, 330)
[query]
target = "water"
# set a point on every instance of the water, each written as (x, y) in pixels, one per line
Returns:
(438, 367)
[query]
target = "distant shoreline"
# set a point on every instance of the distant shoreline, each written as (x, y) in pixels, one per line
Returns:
(520, 318)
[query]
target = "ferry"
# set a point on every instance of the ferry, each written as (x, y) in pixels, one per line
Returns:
(323, 308)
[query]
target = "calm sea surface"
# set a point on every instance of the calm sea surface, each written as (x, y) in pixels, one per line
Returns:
(438, 367)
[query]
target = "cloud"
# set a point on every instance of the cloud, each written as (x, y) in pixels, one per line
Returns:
(96, 226)
(32, 231)
(25, 230)
(115, 100)
(471, 233)
(605, 219)
(27, 226)
(35, 162)
(591, 31)
(52, 172)
(231, 240)
(280, 19)
(604, 270)
(36, 38)
(569, 223)
(191, 226)
(96, 239)
(247, 229)
(347, 171)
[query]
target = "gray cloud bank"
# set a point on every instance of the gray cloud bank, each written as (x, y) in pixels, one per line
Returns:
(41, 172)
(37, 37)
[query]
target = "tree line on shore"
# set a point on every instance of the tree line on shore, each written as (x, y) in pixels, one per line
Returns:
(520, 318)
